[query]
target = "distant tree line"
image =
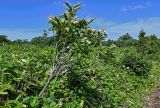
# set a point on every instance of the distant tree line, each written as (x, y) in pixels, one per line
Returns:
(4, 39)
(43, 40)
(149, 42)
(127, 40)
(39, 40)
(123, 41)
(146, 44)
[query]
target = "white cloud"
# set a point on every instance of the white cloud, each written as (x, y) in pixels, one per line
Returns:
(135, 7)
(101, 23)
(21, 33)
(150, 25)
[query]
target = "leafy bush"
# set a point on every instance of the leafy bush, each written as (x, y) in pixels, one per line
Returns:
(22, 71)
(4, 40)
(148, 44)
(126, 40)
(74, 44)
(136, 64)
(106, 54)
(43, 41)
(109, 42)
(20, 41)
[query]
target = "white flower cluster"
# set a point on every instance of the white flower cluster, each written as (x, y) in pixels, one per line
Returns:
(103, 30)
(74, 21)
(50, 18)
(85, 40)
(93, 30)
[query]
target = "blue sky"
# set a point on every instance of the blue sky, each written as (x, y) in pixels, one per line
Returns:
(25, 19)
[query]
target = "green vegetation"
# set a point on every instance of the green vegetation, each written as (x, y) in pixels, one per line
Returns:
(77, 68)
(4, 40)
(43, 41)
(125, 40)
(148, 44)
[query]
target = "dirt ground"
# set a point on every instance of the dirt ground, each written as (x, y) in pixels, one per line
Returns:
(153, 100)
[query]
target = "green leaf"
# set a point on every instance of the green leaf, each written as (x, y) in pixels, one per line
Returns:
(3, 93)
(68, 5)
(57, 20)
(77, 7)
(90, 21)
(0, 57)
(65, 16)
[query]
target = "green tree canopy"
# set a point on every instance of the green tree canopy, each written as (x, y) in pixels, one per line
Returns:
(4, 39)
(125, 40)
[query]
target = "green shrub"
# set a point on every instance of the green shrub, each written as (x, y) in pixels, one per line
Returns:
(78, 77)
(137, 65)
(4, 40)
(106, 54)
(43, 41)
(148, 44)
(126, 40)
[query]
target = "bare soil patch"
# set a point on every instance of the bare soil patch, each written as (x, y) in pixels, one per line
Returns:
(153, 100)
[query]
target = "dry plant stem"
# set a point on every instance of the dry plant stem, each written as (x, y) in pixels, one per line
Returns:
(55, 73)
(46, 84)
(60, 62)
(52, 73)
